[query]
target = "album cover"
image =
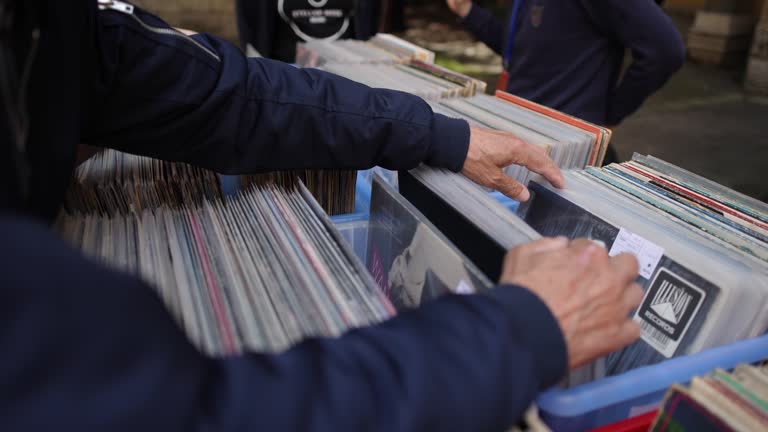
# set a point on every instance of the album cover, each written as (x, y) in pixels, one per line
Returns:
(409, 258)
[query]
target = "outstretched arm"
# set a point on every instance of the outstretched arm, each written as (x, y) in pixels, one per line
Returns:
(200, 100)
(161, 93)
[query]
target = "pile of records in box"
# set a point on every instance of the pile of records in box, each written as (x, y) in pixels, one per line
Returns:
(383, 49)
(386, 61)
(257, 271)
(702, 248)
(570, 142)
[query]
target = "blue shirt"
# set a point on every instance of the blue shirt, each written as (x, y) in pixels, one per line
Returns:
(568, 54)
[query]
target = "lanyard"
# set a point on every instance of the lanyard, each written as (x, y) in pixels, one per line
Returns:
(512, 31)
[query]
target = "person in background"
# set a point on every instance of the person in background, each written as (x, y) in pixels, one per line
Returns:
(271, 28)
(568, 54)
(393, 16)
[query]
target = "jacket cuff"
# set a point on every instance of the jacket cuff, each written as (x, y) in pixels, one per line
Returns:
(537, 330)
(449, 143)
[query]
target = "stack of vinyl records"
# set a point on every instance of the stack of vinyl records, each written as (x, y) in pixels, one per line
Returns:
(258, 271)
(455, 245)
(467, 215)
(701, 249)
(402, 48)
(734, 220)
(333, 189)
(570, 142)
(478, 226)
(422, 79)
(722, 401)
(382, 48)
(112, 182)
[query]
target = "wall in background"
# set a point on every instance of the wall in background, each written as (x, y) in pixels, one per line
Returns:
(211, 16)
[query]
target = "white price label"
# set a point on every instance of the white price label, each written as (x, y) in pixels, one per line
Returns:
(647, 253)
(464, 288)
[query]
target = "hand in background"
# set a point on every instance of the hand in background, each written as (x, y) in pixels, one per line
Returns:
(589, 293)
(460, 7)
(490, 151)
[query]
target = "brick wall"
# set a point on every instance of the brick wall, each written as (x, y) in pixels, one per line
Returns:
(212, 16)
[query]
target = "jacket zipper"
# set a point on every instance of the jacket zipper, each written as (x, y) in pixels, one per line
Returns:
(128, 9)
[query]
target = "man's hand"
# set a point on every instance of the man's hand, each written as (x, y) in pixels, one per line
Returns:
(589, 293)
(490, 151)
(460, 7)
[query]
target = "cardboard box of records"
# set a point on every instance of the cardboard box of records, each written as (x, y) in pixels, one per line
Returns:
(720, 38)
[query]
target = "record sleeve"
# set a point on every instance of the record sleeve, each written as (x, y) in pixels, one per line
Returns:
(410, 258)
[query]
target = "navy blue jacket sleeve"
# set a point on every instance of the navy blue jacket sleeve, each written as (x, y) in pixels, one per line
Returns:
(204, 103)
(485, 27)
(87, 348)
(657, 49)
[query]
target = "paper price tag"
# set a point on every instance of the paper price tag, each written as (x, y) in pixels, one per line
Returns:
(647, 253)
(464, 288)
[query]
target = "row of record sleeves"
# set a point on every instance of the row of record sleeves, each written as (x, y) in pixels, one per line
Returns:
(383, 48)
(701, 247)
(386, 61)
(439, 233)
(258, 271)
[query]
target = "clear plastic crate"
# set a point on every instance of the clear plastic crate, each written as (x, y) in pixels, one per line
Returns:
(354, 229)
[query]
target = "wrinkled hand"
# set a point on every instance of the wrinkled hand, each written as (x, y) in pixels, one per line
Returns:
(460, 7)
(589, 293)
(490, 151)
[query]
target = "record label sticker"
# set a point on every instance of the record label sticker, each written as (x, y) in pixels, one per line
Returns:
(648, 254)
(667, 310)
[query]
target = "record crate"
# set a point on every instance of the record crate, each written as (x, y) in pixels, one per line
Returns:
(624, 402)
(621, 403)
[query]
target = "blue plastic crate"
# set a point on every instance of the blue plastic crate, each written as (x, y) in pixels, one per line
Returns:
(638, 391)
(363, 186)
(354, 229)
(505, 201)
(605, 401)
